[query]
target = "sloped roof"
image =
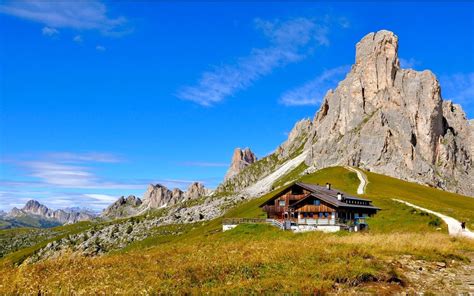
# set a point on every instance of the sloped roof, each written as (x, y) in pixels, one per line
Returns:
(327, 195)
(330, 196)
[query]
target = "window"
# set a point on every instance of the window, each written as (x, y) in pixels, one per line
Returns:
(316, 202)
(326, 215)
(296, 190)
(311, 215)
(281, 203)
(320, 215)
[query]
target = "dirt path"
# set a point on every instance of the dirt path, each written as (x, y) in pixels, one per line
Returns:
(454, 226)
(362, 177)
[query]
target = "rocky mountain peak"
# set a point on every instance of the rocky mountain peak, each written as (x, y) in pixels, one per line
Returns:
(123, 207)
(35, 208)
(159, 195)
(196, 190)
(392, 121)
(240, 160)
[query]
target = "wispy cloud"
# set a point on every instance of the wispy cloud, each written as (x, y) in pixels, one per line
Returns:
(203, 164)
(312, 92)
(410, 63)
(102, 197)
(67, 170)
(50, 32)
(78, 39)
(290, 41)
(458, 88)
(83, 157)
(100, 48)
(80, 15)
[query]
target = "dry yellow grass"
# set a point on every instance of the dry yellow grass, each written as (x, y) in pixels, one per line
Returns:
(252, 258)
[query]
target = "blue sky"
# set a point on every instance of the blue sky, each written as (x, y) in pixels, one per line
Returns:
(99, 99)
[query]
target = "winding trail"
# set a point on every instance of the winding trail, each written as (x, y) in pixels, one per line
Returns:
(454, 226)
(362, 177)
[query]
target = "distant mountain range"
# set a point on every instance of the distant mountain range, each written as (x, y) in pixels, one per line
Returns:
(34, 214)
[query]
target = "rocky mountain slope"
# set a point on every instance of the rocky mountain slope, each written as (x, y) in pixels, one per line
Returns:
(393, 121)
(262, 168)
(33, 210)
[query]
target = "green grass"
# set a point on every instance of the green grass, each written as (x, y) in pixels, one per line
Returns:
(256, 258)
(4, 224)
(457, 206)
(393, 218)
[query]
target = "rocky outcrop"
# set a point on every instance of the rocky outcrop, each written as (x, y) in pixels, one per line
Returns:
(158, 196)
(296, 139)
(240, 160)
(123, 207)
(36, 209)
(393, 121)
(196, 190)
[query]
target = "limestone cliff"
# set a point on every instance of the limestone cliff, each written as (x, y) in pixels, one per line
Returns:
(393, 121)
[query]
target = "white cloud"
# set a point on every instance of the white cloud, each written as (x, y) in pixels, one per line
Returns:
(290, 41)
(102, 197)
(458, 88)
(411, 63)
(68, 170)
(100, 48)
(78, 39)
(81, 157)
(312, 92)
(50, 32)
(80, 15)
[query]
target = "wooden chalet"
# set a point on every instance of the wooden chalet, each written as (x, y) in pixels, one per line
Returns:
(308, 204)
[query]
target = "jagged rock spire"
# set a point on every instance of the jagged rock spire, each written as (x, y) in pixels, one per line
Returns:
(240, 160)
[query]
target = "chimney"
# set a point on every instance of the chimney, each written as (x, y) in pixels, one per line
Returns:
(339, 196)
(328, 186)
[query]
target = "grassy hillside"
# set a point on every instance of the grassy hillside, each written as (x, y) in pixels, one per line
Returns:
(451, 204)
(199, 258)
(27, 221)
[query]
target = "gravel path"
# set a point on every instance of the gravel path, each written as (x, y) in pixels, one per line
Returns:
(265, 184)
(362, 177)
(454, 226)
